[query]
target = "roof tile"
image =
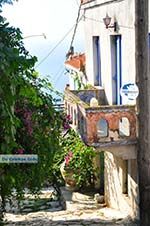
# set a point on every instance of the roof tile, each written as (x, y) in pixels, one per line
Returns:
(76, 61)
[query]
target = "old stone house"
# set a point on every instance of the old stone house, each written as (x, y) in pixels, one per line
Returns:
(110, 125)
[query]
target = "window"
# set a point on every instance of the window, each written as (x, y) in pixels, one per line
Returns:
(68, 109)
(124, 127)
(82, 126)
(116, 67)
(75, 117)
(102, 128)
(97, 61)
(125, 177)
(72, 112)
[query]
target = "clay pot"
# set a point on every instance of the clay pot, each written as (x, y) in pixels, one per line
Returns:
(68, 177)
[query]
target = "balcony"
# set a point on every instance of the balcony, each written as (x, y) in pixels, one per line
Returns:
(86, 1)
(100, 125)
(95, 2)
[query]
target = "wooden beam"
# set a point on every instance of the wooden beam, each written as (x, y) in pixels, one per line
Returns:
(143, 106)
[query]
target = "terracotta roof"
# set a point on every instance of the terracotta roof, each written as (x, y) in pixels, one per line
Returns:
(76, 61)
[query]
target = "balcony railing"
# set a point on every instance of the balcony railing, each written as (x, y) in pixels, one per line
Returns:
(101, 125)
(85, 1)
(95, 2)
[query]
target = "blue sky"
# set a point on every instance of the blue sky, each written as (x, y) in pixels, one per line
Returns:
(54, 19)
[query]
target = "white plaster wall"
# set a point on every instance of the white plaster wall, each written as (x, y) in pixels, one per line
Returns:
(113, 183)
(114, 196)
(123, 11)
(133, 191)
(71, 82)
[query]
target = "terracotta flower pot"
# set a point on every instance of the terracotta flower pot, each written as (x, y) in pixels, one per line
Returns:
(68, 177)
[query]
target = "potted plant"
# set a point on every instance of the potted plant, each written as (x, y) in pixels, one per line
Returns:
(77, 168)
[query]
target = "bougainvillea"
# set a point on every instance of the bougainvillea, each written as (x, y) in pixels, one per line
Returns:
(29, 122)
(67, 120)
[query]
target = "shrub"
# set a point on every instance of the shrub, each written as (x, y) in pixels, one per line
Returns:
(78, 157)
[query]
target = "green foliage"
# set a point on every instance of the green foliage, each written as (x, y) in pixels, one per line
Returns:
(29, 123)
(78, 80)
(38, 130)
(6, 1)
(89, 86)
(15, 62)
(79, 158)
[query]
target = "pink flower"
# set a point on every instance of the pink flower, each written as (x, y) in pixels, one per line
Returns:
(67, 121)
(66, 125)
(68, 117)
(68, 158)
(30, 130)
(20, 151)
(70, 154)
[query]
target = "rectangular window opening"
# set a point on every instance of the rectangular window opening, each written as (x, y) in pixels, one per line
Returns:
(116, 67)
(97, 61)
(125, 177)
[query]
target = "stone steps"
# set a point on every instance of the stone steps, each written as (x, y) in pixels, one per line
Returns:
(79, 201)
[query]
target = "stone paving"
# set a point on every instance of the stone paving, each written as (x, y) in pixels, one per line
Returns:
(68, 218)
(46, 200)
(82, 212)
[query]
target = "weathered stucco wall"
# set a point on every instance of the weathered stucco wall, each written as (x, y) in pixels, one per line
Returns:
(121, 190)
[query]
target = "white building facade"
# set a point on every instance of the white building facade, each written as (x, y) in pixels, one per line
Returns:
(110, 54)
(110, 63)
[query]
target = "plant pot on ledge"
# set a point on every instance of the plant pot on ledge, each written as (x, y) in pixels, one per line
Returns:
(68, 176)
